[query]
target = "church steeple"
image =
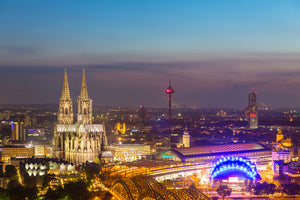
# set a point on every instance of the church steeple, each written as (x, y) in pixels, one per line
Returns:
(65, 113)
(83, 92)
(84, 103)
(66, 90)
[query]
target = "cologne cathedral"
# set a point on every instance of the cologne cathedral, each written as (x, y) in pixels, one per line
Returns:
(80, 141)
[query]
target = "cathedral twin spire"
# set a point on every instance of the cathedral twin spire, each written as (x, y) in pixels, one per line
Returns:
(83, 92)
(65, 112)
(66, 90)
(84, 104)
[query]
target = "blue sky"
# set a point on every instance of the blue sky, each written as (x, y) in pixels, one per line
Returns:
(216, 50)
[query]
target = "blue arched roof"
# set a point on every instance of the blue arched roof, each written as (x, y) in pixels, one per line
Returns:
(234, 164)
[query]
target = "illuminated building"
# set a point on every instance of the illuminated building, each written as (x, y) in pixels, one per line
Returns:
(130, 152)
(37, 168)
(254, 151)
(186, 138)
(282, 150)
(65, 113)
(42, 150)
(221, 113)
(121, 128)
(142, 114)
(27, 119)
(84, 104)
(18, 132)
(285, 143)
(4, 115)
(36, 134)
(10, 152)
(279, 135)
(283, 155)
(41, 166)
(232, 163)
(235, 171)
(170, 91)
(252, 110)
(81, 141)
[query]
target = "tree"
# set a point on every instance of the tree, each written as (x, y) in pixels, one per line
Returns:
(223, 191)
(51, 195)
(97, 161)
(16, 192)
(4, 194)
(291, 189)
(31, 192)
(29, 181)
(262, 188)
(47, 179)
(12, 184)
(11, 172)
(270, 188)
(72, 190)
(77, 190)
(91, 170)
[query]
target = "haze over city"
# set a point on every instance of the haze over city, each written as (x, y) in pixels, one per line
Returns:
(216, 51)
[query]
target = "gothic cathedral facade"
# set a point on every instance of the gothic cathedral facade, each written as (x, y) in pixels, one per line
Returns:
(80, 141)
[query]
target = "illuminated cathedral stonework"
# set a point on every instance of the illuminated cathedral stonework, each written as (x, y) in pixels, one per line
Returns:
(81, 141)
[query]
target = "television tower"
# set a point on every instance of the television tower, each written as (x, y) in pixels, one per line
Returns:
(170, 91)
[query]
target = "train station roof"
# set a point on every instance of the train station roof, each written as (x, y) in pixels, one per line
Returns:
(219, 149)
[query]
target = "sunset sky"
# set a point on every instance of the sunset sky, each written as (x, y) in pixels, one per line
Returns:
(216, 51)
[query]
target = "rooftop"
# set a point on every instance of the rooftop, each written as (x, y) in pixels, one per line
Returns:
(213, 149)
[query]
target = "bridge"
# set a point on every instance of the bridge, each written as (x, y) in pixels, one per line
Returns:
(147, 188)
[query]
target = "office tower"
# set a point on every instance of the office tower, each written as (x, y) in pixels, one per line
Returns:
(142, 114)
(170, 91)
(252, 110)
(27, 119)
(17, 132)
(81, 141)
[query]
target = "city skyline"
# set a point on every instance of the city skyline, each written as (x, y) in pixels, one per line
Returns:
(216, 51)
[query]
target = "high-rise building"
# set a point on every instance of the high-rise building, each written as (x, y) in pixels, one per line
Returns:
(142, 114)
(18, 132)
(27, 119)
(252, 110)
(81, 141)
(186, 138)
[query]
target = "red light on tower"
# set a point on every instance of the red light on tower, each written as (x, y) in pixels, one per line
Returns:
(170, 91)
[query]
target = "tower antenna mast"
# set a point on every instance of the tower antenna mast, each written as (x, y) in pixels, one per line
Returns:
(170, 91)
